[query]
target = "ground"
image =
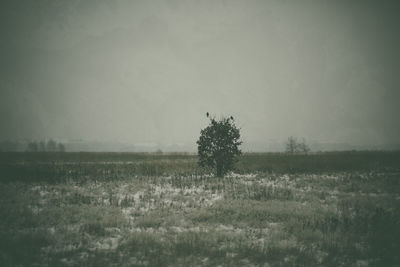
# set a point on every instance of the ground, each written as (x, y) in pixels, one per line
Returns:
(157, 217)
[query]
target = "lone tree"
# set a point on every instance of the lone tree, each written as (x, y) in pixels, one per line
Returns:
(218, 145)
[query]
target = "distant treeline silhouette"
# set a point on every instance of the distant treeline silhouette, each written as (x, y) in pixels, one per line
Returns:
(42, 146)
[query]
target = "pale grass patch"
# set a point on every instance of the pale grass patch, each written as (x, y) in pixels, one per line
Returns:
(108, 243)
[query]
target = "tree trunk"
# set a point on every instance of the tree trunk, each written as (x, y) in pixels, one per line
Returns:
(219, 170)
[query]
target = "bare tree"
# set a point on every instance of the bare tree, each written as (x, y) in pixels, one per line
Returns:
(303, 147)
(291, 145)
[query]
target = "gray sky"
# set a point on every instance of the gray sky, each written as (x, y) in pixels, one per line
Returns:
(148, 71)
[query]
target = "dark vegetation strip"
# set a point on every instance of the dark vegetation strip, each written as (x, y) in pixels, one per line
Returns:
(60, 167)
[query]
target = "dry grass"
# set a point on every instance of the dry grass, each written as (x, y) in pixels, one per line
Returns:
(337, 218)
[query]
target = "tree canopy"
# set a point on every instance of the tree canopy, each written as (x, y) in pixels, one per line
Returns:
(218, 145)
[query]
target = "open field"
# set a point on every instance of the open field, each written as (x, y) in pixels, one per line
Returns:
(124, 209)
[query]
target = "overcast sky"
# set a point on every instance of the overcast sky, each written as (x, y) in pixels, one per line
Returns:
(148, 71)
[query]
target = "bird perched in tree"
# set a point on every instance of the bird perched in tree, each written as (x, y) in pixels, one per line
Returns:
(231, 117)
(208, 114)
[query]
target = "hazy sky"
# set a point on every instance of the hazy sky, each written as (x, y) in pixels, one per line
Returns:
(148, 71)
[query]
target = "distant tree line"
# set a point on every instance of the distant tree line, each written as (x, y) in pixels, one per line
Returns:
(293, 146)
(42, 146)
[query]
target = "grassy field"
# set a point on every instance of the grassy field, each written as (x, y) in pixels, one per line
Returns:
(125, 209)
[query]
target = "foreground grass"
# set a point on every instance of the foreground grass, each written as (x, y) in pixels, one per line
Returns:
(261, 219)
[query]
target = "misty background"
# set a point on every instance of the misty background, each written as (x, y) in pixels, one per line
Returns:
(141, 75)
